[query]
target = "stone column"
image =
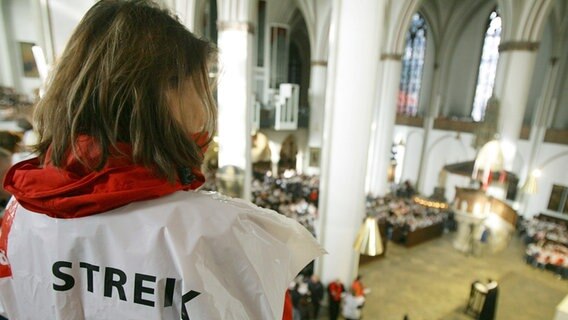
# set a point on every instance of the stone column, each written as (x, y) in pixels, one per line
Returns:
(6, 72)
(234, 92)
(542, 115)
(350, 95)
(516, 66)
(383, 125)
(523, 22)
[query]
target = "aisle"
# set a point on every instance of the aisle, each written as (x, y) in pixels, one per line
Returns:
(432, 280)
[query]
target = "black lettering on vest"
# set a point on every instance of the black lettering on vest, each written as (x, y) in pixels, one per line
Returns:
(90, 269)
(184, 299)
(139, 288)
(169, 292)
(118, 284)
(68, 281)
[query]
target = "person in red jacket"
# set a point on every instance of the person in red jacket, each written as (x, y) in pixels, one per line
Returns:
(357, 287)
(107, 221)
(335, 290)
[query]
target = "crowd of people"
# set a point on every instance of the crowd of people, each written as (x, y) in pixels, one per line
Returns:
(548, 255)
(291, 194)
(404, 213)
(295, 196)
(547, 245)
(535, 230)
(308, 292)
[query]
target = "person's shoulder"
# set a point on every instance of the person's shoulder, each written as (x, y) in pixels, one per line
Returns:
(216, 202)
(213, 199)
(238, 214)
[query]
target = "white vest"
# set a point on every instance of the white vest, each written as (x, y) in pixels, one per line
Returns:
(189, 255)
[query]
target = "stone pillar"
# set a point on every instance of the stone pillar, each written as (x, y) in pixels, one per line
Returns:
(516, 66)
(6, 72)
(523, 22)
(234, 91)
(542, 116)
(350, 95)
(383, 125)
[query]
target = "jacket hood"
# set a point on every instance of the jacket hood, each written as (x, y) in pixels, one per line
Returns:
(75, 190)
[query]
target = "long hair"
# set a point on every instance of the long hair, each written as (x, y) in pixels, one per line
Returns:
(112, 83)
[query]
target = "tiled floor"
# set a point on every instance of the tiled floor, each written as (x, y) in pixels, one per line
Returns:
(431, 281)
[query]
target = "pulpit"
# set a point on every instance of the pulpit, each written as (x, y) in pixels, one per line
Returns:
(482, 220)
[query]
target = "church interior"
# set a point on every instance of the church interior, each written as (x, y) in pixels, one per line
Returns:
(422, 142)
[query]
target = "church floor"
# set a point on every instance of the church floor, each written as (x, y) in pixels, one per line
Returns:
(432, 281)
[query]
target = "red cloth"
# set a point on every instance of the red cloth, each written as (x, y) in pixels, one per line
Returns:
(288, 307)
(76, 191)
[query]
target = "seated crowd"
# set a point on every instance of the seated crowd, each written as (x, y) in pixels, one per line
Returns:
(295, 196)
(404, 213)
(547, 245)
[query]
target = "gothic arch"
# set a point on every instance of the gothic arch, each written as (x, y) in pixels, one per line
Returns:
(314, 11)
(522, 20)
(447, 26)
(396, 43)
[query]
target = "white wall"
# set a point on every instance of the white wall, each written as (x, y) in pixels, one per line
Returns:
(553, 172)
(443, 148)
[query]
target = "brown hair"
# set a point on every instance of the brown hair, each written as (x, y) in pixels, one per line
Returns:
(111, 83)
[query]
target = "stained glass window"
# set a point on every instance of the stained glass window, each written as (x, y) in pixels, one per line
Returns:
(412, 67)
(487, 66)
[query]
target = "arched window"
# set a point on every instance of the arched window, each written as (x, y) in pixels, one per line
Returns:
(487, 66)
(412, 66)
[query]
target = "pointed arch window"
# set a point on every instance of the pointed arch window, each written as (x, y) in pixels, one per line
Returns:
(412, 67)
(487, 66)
